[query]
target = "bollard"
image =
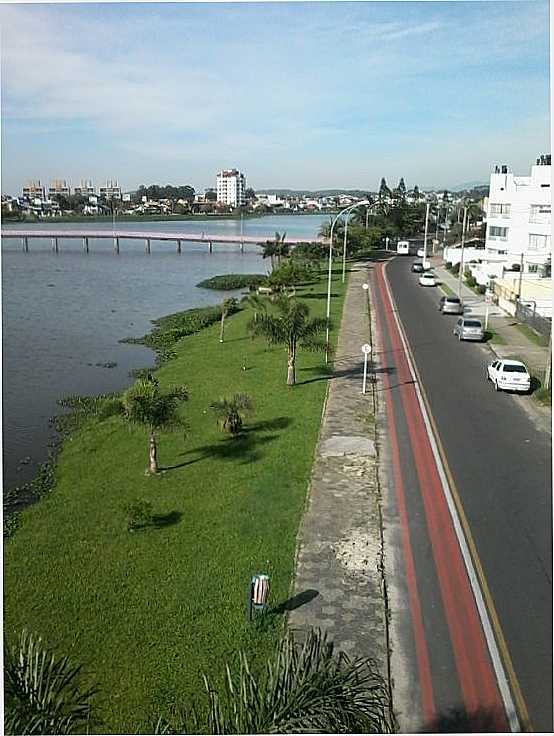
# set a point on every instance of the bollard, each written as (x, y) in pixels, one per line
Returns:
(211, 248)
(116, 245)
(179, 247)
(148, 246)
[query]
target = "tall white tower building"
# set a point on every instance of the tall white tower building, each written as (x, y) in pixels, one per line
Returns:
(231, 187)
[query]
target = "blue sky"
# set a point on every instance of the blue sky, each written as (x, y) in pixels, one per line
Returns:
(299, 95)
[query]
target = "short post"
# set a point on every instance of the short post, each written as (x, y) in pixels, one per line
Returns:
(116, 245)
(55, 246)
(25, 245)
(86, 245)
(211, 247)
(258, 592)
(148, 245)
(242, 246)
(366, 350)
(179, 247)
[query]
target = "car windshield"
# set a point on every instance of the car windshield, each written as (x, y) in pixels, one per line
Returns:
(452, 300)
(472, 323)
(514, 369)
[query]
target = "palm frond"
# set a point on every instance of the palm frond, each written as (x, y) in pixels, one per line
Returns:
(42, 690)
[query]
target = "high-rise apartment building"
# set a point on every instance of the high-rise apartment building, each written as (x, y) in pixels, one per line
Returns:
(518, 219)
(33, 190)
(231, 187)
(58, 186)
(112, 190)
(86, 188)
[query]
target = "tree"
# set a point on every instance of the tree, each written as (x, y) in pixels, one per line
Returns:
(232, 412)
(400, 191)
(250, 194)
(308, 689)
(211, 196)
(290, 327)
(417, 193)
(146, 405)
(43, 690)
(227, 306)
(384, 191)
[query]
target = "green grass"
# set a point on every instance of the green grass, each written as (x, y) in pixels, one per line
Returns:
(446, 290)
(146, 613)
(493, 336)
(233, 281)
(531, 335)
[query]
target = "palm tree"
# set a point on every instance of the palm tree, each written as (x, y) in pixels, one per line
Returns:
(43, 694)
(276, 249)
(257, 303)
(232, 412)
(227, 306)
(308, 689)
(146, 405)
(291, 327)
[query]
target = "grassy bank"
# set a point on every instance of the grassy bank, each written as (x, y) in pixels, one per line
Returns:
(147, 612)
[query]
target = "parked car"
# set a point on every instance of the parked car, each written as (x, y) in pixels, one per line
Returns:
(427, 279)
(509, 375)
(451, 305)
(469, 329)
(417, 267)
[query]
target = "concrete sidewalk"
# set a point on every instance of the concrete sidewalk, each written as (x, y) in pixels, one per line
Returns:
(512, 343)
(339, 583)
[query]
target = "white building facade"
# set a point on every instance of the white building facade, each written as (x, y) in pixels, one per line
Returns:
(518, 221)
(231, 188)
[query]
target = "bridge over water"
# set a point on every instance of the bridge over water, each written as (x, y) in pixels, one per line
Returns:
(147, 236)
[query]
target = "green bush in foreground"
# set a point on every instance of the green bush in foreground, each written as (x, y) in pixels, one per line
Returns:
(308, 689)
(43, 694)
(232, 412)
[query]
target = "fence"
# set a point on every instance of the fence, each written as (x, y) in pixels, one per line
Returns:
(526, 314)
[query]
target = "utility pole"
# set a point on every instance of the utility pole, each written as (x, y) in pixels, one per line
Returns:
(520, 277)
(548, 370)
(461, 272)
(425, 236)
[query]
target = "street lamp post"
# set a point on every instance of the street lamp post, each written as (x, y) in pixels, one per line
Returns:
(425, 236)
(461, 272)
(346, 209)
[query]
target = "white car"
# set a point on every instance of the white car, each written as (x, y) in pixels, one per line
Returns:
(427, 279)
(509, 375)
(421, 253)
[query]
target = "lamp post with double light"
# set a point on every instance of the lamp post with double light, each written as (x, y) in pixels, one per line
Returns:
(346, 209)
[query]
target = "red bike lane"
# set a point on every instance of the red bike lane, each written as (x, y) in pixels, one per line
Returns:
(452, 659)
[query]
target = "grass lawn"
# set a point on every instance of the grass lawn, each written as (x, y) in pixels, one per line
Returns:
(531, 335)
(447, 291)
(493, 336)
(147, 612)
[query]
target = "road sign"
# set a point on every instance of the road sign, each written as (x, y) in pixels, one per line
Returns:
(366, 349)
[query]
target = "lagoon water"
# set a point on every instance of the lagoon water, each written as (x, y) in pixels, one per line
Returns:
(64, 314)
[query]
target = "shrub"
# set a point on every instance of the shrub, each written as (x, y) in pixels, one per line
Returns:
(290, 274)
(480, 289)
(448, 265)
(139, 514)
(232, 412)
(229, 281)
(456, 269)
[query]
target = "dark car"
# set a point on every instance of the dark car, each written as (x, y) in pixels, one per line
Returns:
(451, 305)
(417, 267)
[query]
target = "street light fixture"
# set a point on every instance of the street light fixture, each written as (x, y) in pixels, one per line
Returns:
(346, 209)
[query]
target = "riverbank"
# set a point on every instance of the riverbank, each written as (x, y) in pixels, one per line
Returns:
(159, 218)
(146, 613)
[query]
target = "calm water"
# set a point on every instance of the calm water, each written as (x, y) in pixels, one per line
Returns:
(65, 314)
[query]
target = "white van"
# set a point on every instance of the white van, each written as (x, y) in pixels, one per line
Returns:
(403, 248)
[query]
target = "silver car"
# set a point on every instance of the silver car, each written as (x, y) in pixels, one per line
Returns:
(451, 305)
(469, 329)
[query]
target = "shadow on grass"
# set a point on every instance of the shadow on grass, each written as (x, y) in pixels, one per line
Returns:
(295, 602)
(243, 448)
(158, 521)
(316, 295)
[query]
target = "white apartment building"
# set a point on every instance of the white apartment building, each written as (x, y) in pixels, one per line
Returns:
(58, 186)
(33, 190)
(86, 188)
(112, 190)
(518, 221)
(231, 187)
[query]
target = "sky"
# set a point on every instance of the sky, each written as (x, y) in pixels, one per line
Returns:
(302, 95)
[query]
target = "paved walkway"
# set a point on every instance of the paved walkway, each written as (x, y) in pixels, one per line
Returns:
(515, 344)
(339, 560)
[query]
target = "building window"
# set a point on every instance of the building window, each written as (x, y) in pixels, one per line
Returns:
(498, 233)
(539, 242)
(533, 268)
(499, 210)
(540, 213)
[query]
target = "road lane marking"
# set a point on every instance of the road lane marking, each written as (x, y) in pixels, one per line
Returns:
(503, 666)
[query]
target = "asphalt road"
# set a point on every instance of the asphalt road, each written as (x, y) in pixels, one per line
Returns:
(501, 466)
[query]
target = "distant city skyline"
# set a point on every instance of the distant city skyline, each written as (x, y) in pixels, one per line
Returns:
(297, 95)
